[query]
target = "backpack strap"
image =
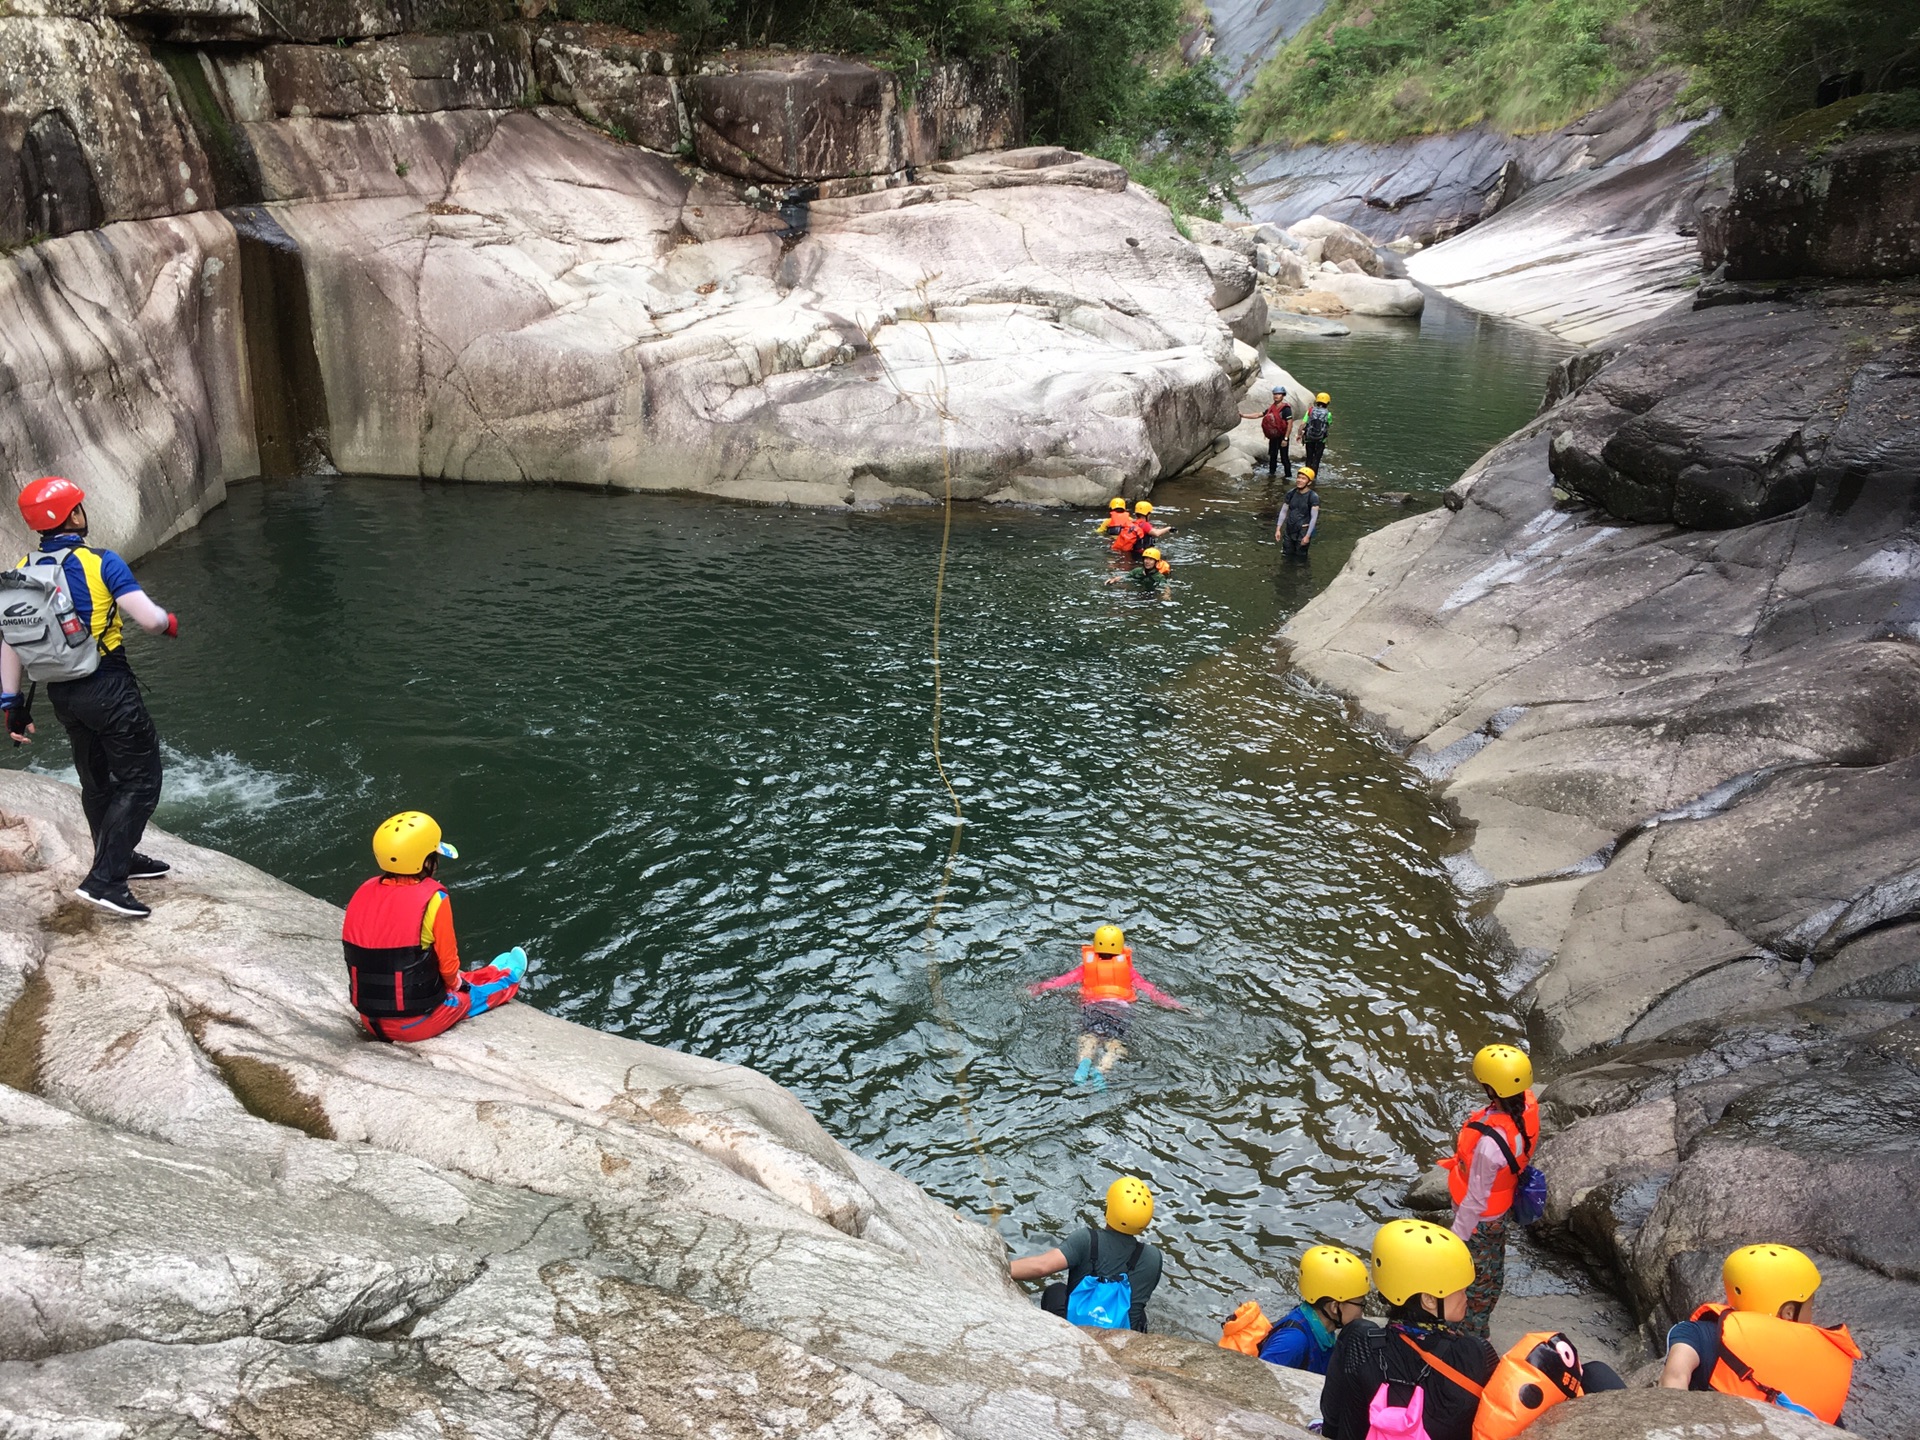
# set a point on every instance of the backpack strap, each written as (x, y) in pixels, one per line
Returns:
(1440, 1367)
(1506, 1151)
(1745, 1371)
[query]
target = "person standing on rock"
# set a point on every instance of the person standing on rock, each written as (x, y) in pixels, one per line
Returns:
(403, 964)
(1763, 1344)
(1422, 1368)
(1495, 1148)
(1276, 423)
(1314, 431)
(1299, 516)
(1111, 1273)
(63, 612)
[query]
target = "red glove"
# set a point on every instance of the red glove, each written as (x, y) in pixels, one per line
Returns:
(172, 631)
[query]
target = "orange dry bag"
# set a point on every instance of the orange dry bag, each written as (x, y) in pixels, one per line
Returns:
(1248, 1327)
(1540, 1371)
(1784, 1362)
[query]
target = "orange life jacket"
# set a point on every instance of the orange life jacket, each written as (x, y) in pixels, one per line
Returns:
(1127, 534)
(1516, 1146)
(1530, 1380)
(1763, 1357)
(390, 974)
(1106, 977)
(1248, 1327)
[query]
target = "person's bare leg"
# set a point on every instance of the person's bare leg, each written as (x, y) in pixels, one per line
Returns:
(1109, 1057)
(1085, 1067)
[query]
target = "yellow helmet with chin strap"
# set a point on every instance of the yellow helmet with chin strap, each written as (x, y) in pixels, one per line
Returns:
(402, 844)
(1109, 940)
(1129, 1205)
(1417, 1257)
(1152, 552)
(1329, 1273)
(1762, 1278)
(1143, 507)
(1503, 1069)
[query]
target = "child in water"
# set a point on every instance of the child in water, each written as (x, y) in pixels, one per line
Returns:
(1108, 986)
(1153, 574)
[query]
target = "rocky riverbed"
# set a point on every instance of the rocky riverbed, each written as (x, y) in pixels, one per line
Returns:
(1661, 651)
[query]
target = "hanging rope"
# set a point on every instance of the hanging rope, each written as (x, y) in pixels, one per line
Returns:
(956, 1049)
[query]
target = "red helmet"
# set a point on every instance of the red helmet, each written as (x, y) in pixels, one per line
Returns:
(48, 501)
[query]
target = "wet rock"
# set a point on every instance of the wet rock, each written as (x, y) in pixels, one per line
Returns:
(1285, 322)
(224, 1201)
(1812, 200)
(477, 70)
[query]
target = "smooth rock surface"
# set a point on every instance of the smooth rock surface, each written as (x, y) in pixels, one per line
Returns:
(221, 1200)
(1366, 295)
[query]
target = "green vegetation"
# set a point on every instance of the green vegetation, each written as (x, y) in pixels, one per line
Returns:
(1102, 76)
(1390, 68)
(1763, 61)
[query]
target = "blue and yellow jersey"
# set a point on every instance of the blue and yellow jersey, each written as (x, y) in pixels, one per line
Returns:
(96, 579)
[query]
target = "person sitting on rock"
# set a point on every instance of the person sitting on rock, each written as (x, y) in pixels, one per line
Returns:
(1111, 1273)
(403, 965)
(1276, 423)
(1333, 1283)
(1153, 573)
(1421, 1368)
(1109, 986)
(1495, 1146)
(1762, 1343)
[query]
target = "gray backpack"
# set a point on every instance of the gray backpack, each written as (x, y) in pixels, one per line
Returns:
(39, 623)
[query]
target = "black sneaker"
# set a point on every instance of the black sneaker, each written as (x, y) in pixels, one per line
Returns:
(145, 867)
(114, 899)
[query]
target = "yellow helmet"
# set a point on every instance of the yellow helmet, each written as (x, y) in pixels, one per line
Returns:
(1152, 552)
(1324, 398)
(402, 844)
(1129, 1205)
(1503, 1069)
(1762, 1278)
(1308, 471)
(1143, 507)
(1329, 1273)
(1116, 503)
(1109, 940)
(1417, 1257)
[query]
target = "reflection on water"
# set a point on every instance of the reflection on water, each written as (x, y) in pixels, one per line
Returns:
(683, 749)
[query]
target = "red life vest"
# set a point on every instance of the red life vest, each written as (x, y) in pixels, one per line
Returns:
(1273, 424)
(1516, 1147)
(1127, 534)
(1763, 1357)
(1106, 977)
(390, 974)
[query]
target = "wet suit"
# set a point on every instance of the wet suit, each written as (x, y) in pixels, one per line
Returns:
(1299, 518)
(1105, 1253)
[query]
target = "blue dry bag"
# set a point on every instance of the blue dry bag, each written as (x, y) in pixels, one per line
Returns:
(1530, 1196)
(1105, 1304)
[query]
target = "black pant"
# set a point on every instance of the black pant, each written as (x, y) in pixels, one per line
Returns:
(1597, 1375)
(117, 752)
(1278, 460)
(1315, 449)
(1294, 540)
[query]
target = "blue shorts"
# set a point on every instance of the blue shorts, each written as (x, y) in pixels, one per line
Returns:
(1109, 1019)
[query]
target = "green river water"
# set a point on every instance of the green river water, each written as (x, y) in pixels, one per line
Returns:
(683, 748)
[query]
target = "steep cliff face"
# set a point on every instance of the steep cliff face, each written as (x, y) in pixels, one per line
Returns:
(807, 291)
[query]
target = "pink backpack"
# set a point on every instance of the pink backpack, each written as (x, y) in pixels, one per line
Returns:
(1387, 1421)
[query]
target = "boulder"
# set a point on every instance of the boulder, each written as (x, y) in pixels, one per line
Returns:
(1233, 277)
(798, 118)
(1248, 319)
(627, 89)
(1814, 199)
(473, 70)
(76, 153)
(1675, 1415)
(223, 1201)
(1338, 242)
(1365, 295)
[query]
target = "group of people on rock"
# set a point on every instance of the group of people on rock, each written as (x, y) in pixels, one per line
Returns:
(1427, 1370)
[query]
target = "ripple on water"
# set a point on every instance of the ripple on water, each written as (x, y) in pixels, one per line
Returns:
(683, 749)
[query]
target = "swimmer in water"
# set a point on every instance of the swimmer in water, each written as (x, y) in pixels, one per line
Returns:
(1153, 574)
(1108, 987)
